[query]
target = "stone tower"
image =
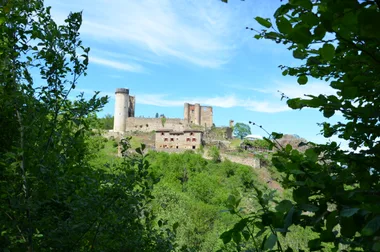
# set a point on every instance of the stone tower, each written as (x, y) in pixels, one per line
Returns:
(121, 109)
(197, 114)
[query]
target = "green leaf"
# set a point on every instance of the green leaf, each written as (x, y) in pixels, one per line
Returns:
(302, 80)
(309, 208)
(299, 54)
(283, 9)
(240, 225)
(309, 18)
(303, 3)
(376, 246)
(311, 155)
(327, 52)
(301, 34)
(301, 195)
(328, 112)
(270, 242)
(289, 218)
(226, 236)
(264, 22)
(284, 206)
(348, 227)
(283, 25)
(331, 220)
(175, 226)
(236, 236)
(139, 151)
(314, 244)
(372, 227)
(277, 135)
(348, 212)
(246, 235)
(288, 148)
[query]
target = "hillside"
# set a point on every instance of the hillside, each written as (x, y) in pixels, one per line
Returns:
(194, 191)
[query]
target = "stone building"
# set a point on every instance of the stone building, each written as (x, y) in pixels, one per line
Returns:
(187, 139)
(198, 115)
(125, 120)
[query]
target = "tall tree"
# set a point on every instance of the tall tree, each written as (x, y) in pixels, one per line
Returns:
(242, 130)
(52, 198)
(336, 192)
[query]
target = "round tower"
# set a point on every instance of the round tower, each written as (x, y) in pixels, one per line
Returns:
(121, 109)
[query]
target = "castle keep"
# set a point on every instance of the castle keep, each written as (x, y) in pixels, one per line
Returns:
(198, 115)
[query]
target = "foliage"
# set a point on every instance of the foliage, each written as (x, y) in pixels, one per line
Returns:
(241, 130)
(214, 153)
(335, 192)
(52, 199)
(193, 192)
(163, 120)
(106, 122)
(257, 143)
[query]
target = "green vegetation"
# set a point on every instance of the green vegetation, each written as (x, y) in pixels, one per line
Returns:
(257, 143)
(242, 130)
(334, 192)
(53, 197)
(235, 143)
(106, 122)
(62, 188)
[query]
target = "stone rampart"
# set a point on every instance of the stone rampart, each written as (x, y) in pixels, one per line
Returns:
(150, 124)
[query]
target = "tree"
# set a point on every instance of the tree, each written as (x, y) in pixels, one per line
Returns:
(157, 115)
(242, 130)
(336, 192)
(106, 122)
(52, 196)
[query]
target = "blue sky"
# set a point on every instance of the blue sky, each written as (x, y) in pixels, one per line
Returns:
(169, 52)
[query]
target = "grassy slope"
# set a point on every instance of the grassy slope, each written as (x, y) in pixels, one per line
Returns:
(199, 204)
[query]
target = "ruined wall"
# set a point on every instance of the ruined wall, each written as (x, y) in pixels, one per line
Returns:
(131, 106)
(206, 116)
(198, 115)
(192, 118)
(150, 124)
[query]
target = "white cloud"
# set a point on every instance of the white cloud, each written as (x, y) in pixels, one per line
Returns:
(294, 90)
(290, 89)
(198, 32)
(229, 101)
(116, 64)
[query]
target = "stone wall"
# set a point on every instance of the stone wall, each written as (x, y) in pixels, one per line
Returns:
(150, 124)
(206, 116)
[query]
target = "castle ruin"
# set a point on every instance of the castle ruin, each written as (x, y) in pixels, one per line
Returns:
(198, 115)
(125, 120)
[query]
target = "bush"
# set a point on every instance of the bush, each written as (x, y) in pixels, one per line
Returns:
(214, 153)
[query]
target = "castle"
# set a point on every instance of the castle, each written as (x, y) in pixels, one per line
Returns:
(195, 115)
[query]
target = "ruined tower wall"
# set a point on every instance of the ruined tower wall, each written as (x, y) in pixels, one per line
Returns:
(186, 112)
(206, 118)
(197, 114)
(131, 106)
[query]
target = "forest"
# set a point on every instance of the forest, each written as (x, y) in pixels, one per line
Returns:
(63, 188)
